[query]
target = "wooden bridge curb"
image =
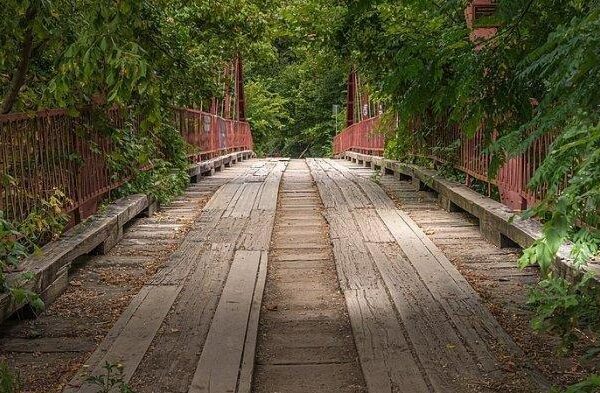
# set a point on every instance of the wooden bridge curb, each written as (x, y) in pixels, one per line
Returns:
(208, 167)
(499, 225)
(99, 234)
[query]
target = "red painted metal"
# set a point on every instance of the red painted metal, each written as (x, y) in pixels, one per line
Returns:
(351, 99)
(471, 157)
(48, 150)
(476, 10)
(241, 96)
(362, 137)
(212, 135)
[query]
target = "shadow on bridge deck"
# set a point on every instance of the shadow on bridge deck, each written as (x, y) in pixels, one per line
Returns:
(400, 317)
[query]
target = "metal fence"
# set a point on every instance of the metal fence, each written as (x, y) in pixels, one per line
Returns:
(361, 137)
(50, 150)
(212, 135)
(469, 157)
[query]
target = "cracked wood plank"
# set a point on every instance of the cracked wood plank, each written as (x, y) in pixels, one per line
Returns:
(385, 355)
(219, 365)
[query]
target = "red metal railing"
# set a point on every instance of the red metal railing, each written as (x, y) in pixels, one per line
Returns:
(212, 135)
(361, 137)
(471, 158)
(50, 150)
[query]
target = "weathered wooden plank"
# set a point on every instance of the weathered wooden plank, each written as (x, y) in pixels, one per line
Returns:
(269, 193)
(179, 264)
(371, 226)
(223, 196)
(200, 266)
(219, 365)
(376, 195)
(445, 357)
(462, 304)
(46, 345)
(242, 206)
(50, 265)
(171, 361)
(133, 335)
(95, 358)
(385, 355)
(203, 226)
(247, 365)
(331, 195)
(354, 196)
(342, 225)
(257, 235)
(228, 230)
(434, 302)
(354, 265)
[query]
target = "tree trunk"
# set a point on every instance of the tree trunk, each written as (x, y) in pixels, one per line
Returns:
(18, 77)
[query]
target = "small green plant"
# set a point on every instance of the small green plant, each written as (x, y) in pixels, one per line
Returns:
(9, 380)
(590, 384)
(18, 240)
(13, 249)
(154, 160)
(448, 171)
(46, 221)
(565, 308)
(376, 177)
(111, 381)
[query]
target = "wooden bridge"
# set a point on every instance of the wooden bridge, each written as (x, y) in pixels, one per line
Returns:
(270, 275)
(278, 275)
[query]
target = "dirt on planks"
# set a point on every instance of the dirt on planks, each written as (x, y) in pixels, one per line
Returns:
(305, 342)
(494, 274)
(46, 350)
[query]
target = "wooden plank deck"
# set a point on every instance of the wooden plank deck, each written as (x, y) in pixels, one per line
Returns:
(219, 366)
(171, 338)
(357, 295)
(305, 337)
(448, 339)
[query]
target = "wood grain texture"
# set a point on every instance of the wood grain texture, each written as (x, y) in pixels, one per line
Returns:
(219, 365)
(161, 336)
(454, 340)
(135, 332)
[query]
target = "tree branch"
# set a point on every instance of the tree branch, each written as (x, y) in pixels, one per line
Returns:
(18, 77)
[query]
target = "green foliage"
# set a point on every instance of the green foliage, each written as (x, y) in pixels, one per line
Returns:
(268, 116)
(11, 250)
(163, 182)
(112, 381)
(565, 308)
(117, 53)
(290, 96)
(423, 62)
(9, 381)
(19, 240)
(590, 384)
(154, 161)
(139, 58)
(537, 77)
(46, 220)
